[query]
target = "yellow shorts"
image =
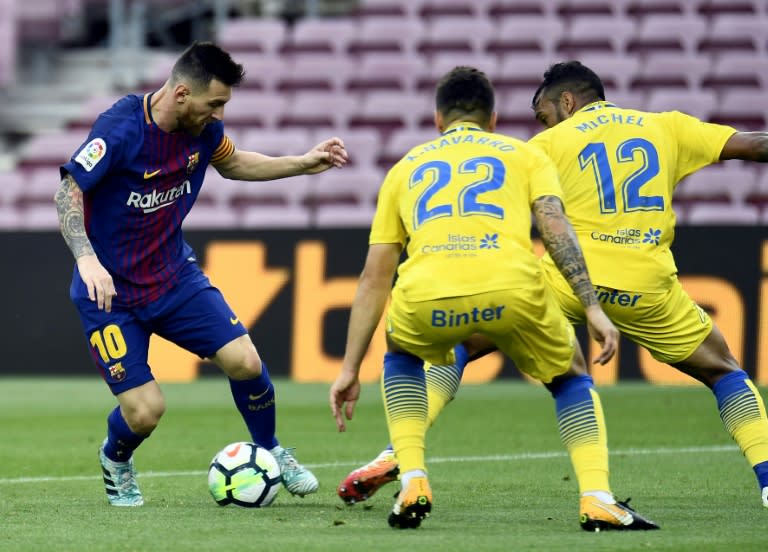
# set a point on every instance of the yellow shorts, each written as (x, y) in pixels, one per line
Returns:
(670, 325)
(525, 324)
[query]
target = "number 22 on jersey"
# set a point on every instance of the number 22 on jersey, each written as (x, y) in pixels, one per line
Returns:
(438, 174)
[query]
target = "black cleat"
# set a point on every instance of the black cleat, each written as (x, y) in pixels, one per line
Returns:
(596, 515)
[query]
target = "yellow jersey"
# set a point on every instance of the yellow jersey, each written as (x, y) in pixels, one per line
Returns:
(461, 204)
(618, 169)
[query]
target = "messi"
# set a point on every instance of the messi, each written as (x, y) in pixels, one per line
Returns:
(451, 319)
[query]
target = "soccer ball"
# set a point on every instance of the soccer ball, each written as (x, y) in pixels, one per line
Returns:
(244, 474)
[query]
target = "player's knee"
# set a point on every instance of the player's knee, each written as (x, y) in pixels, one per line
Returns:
(239, 359)
(144, 418)
(245, 364)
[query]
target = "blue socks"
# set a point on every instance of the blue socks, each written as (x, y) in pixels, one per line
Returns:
(121, 441)
(255, 399)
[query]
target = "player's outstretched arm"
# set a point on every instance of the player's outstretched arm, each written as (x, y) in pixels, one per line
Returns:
(250, 165)
(561, 243)
(367, 307)
(69, 205)
(749, 146)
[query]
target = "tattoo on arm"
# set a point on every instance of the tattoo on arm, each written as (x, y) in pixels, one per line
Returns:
(69, 205)
(561, 243)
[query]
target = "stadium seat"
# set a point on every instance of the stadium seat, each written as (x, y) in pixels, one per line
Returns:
(333, 216)
(759, 194)
(735, 33)
(670, 70)
(211, 217)
(666, 33)
(515, 109)
(249, 108)
(319, 35)
(391, 71)
(520, 74)
(278, 194)
(370, 9)
(155, 72)
(432, 10)
(616, 71)
(8, 42)
(594, 34)
(10, 218)
(11, 184)
(348, 188)
(262, 71)
(49, 149)
(639, 9)
(313, 110)
(39, 187)
(90, 109)
(362, 144)
(569, 9)
(456, 35)
(44, 21)
(699, 103)
(499, 10)
(216, 191)
(443, 62)
(744, 109)
(521, 132)
(737, 70)
(314, 72)
(727, 183)
(401, 142)
(277, 142)
(38, 217)
(257, 34)
(709, 214)
(718, 8)
(386, 34)
(628, 99)
(387, 111)
(274, 217)
(525, 35)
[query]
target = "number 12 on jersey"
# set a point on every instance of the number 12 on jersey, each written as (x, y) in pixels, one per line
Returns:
(595, 156)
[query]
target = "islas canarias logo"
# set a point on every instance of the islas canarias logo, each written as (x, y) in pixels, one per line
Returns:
(652, 236)
(158, 199)
(463, 244)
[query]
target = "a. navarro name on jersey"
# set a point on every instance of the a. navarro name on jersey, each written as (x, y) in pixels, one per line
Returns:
(155, 200)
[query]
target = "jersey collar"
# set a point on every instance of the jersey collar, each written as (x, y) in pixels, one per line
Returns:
(148, 108)
(460, 126)
(594, 106)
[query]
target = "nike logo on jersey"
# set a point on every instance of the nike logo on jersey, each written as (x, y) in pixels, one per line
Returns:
(148, 175)
(234, 320)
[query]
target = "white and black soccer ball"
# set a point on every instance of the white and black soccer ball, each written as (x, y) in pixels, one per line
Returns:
(244, 474)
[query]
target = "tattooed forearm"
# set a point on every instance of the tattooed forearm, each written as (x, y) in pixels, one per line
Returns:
(69, 205)
(561, 243)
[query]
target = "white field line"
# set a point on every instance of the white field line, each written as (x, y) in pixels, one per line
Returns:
(435, 460)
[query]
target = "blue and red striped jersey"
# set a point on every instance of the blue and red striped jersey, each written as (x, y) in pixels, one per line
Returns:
(139, 182)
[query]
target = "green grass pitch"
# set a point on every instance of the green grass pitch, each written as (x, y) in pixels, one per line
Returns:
(500, 476)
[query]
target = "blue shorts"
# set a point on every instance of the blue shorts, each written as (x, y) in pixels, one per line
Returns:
(193, 315)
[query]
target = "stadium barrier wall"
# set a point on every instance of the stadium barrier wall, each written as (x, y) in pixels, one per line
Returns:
(293, 289)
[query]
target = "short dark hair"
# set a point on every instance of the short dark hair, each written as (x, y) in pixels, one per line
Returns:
(465, 91)
(204, 61)
(573, 77)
